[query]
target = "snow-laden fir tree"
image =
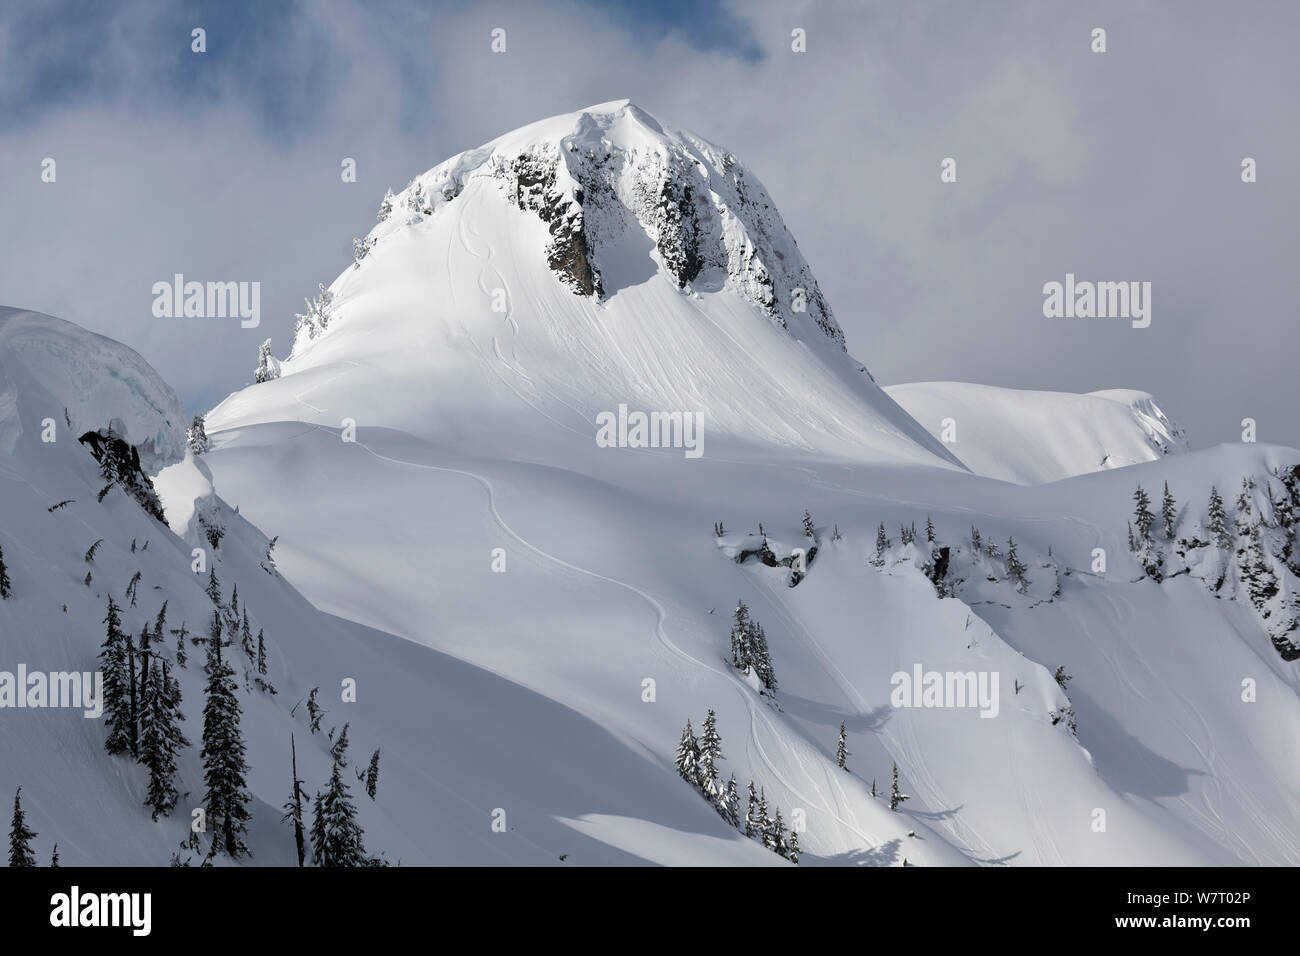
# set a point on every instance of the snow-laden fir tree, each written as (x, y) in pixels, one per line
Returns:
(293, 806)
(20, 836)
(360, 249)
(1218, 521)
(336, 837)
(808, 530)
(224, 765)
(1143, 519)
(896, 796)
(1245, 509)
(794, 847)
(161, 739)
(197, 436)
(688, 755)
(882, 545)
(974, 540)
(710, 754)
(740, 635)
(415, 200)
(372, 774)
(117, 691)
(929, 530)
(214, 638)
(1256, 571)
(753, 821)
(1168, 513)
(4, 577)
(214, 587)
(841, 749)
(268, 369)
(729, 802)
(778, 834)
(261, 653)
(1016, 569)
(246, 635)
(766, 827)
(386, 206)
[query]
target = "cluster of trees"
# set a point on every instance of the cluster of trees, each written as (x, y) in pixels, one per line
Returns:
(749, 649)
(319, 313)
(21, 837)
(1017, 571)
(1259, 541)
(142, 705)
(268, 367)
(697, 764)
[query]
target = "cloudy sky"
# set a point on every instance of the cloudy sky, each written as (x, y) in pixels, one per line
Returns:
(1117, 166)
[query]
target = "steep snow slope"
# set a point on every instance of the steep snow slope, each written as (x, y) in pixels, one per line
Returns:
(1031, 437)
(457, 742)
(472, 511)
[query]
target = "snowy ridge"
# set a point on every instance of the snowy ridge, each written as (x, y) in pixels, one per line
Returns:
(1030, 437)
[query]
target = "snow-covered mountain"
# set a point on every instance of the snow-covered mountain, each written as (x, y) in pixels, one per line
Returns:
(1031, 437)
(533, 611)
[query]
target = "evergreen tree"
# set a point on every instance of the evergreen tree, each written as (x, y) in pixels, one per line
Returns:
(214, 587)
(268, 369)
(223, 753)
(841, 749)
(20, 836)
(729, 802)
(214, 639)
(896, 796)
(197, 436)
(337, 839)
(710, 754)
(753, 822)
(4, 577)
(386, 206)
(314, 711)
(181, 633)
(688, 755)
(54, 857)
(794, 847)
(974, 540)
(882, 545)
(261, 653)
(246, 635)
(808, 530)
(1245, 508)
(1143, 519)
(372, 774)
(1016, 568)
(766, 826)
(132, 698)
(293, 806)
(740, 636)
(1168, 513)
(778, 834)
(161, 739)
(1256, 572)
(116, 692)
(131, 587)
(929, 530)
(1132, 542)
(762, 658)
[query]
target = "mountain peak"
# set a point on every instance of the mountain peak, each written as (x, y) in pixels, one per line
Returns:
(612, 176)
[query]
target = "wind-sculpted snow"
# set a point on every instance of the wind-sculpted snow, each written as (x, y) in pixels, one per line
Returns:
(49, 367)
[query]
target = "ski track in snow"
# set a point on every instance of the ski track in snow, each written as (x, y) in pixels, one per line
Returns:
(758, 720)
